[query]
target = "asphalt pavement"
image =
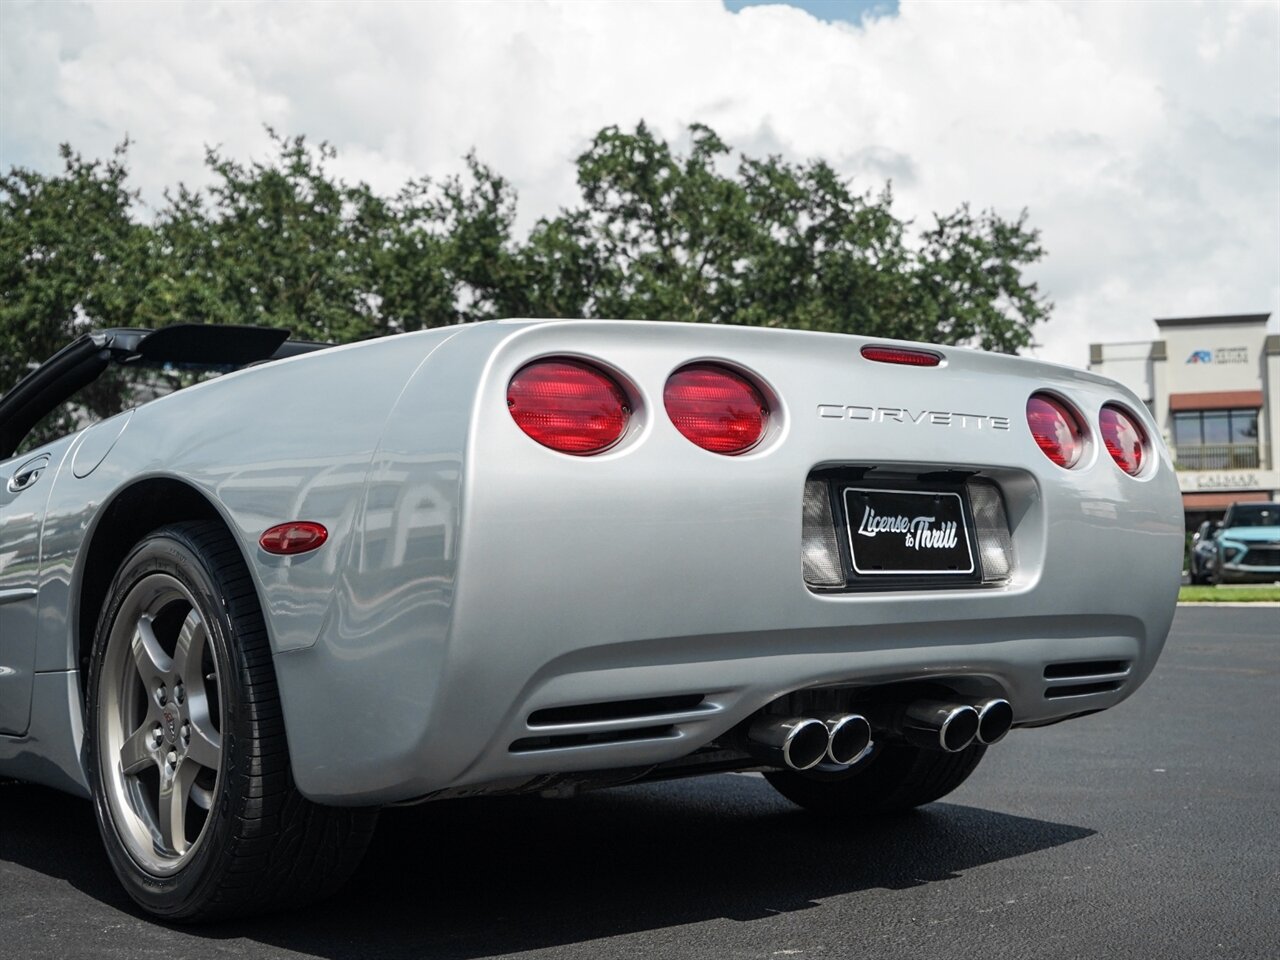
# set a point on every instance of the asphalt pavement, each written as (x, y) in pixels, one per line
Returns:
(1148, 831)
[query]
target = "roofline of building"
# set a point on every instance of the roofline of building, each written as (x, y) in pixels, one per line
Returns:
(1236, 318)
(1156, 350)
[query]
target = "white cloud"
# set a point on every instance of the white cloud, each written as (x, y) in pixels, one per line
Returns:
(1144, 138)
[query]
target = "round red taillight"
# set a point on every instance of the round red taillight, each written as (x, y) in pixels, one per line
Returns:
(717, 409)
(568, 405)
(1056, 429)
(290, 539)
(1123, 438)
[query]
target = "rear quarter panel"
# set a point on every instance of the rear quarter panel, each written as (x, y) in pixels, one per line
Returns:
(280, 441)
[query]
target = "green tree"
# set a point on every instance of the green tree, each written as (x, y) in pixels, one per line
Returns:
(658, 234)
(449, 255)
(274, 244)
(72, 257)
(669, 237)
(286, 244)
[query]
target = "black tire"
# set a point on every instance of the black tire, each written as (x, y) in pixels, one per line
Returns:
(243, 839)
(896, 777)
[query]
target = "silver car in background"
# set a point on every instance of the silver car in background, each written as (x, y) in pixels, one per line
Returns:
(551, 556)
(1202, 557)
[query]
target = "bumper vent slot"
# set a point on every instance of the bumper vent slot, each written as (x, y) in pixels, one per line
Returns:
(616, 710)
(595, 738)
(1086, 668)
(1082, 689)
(1082, 678)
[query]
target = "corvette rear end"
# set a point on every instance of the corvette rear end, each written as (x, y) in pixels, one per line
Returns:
(742, 531)
(548, 556)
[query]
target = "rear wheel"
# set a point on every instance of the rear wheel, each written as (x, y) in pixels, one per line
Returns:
(893, 778)
(185, 742)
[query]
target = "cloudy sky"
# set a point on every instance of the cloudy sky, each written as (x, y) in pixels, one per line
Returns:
(1144, 138)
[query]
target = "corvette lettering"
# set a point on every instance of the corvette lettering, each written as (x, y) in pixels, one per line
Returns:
(906, 415)
(920, 532)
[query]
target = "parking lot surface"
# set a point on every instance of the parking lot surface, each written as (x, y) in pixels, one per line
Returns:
(1151, 831)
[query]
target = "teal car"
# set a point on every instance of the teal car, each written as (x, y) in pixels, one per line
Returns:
(1249, 544)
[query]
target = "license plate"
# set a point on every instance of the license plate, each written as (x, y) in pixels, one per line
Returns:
(915, 532)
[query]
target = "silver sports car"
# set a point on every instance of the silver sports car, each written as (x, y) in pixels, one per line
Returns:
(551, 556)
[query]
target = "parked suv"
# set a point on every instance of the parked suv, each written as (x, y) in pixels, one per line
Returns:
(1249, 544)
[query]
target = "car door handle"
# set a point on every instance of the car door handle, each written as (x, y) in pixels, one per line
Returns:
(27, 475)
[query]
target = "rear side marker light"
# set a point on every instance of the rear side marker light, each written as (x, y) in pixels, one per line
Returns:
(1124, 439)
(291, 539)
(904, 355)
(1056, 429)
(568, 405)
(716, 408)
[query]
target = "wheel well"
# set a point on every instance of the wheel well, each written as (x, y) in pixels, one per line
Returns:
(146, 506)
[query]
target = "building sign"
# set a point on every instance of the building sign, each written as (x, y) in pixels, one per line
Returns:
(1189, 481)
(1223, 355)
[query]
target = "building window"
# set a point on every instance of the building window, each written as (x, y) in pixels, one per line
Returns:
(1216, 439)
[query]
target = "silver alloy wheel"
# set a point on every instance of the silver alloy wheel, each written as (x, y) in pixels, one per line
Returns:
(159, 724)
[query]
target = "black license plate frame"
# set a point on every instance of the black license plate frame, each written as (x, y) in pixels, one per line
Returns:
(906, 534)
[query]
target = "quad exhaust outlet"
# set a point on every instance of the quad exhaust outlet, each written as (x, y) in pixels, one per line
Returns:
(946, 725)
(801, 743)
(842, 739)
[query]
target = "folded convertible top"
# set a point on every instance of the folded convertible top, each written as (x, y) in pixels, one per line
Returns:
(79, 363)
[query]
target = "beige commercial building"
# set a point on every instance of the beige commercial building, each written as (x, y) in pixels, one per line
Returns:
(1213, 384)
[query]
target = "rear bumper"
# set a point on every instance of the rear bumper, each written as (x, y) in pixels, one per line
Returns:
(540, 582)
(478, 729)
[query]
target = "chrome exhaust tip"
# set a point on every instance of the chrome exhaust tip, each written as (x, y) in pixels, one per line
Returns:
(798, 743)
(995, 719)
(936, 725)
(849, 737)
